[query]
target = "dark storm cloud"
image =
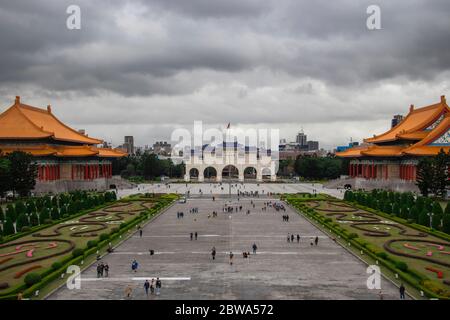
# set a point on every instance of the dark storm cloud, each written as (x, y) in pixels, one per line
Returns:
(235, 60)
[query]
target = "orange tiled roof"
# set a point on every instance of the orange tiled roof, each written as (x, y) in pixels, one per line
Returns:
(423, 147)
(64, 151)
(22, 121)
(383, 151)
(352, 152)
(416, 120)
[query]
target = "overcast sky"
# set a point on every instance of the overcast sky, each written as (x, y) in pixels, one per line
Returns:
(143, 68)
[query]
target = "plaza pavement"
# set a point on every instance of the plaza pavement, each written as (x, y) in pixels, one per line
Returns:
(279, 270)
(209, 189)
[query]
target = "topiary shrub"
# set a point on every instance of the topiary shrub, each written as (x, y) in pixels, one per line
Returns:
(91, 243)
(382, 255)
(56, 265)
(32, 278)
(104, 236)
(401, 266)
(25, 229)
(77, 252)
(352, 236)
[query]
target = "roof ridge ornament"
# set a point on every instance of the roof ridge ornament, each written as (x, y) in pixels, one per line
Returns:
(443, 99)
(411, 108)
(17, 100)
(49, 108)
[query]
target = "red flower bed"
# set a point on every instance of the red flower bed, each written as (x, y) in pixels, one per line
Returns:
(22, 272)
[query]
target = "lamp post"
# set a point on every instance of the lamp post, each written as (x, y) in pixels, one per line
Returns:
(431, 214)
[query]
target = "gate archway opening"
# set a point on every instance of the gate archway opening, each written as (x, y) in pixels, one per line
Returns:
(210, 174)
(250, 173)
(193, 174)
(230, 172)
(266, 173)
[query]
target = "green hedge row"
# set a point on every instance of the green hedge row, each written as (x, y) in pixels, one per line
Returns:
(410, 276)
(53, 273)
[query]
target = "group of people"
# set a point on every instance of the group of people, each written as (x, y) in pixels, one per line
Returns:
(194, 235)
(180, 215)
(285, 217)
(152, 286)
(102, 270)
(193, 210)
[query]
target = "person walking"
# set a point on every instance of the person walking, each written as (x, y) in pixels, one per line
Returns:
(192, 235)
(231, 258)
(254, 248)
(128, 292)
(289, 238)
(106, 268)
(402, 291)
(298, 238)
(99, 270)
(158, 286)
(134, 265)
(196, 235)
(146, 287)
(316, 240)
(140, 233)
(213, 253)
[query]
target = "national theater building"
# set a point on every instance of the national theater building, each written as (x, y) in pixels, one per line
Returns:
(67, 159)
(390, 159)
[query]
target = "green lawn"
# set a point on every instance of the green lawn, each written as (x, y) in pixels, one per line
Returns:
(41, 249)
(424, 250)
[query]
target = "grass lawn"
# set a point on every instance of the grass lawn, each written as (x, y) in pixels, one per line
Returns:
(38, 251)
(424, 251)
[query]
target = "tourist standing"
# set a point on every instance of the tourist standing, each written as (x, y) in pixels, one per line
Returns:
(213, 253)
(316, 240)
(402, 292)
(192, 235)
(231, 258)
(146, 287)
(298, 238)
(106, 268)
(158, 286)
(196, 235)
(134, 265)
(254, 248)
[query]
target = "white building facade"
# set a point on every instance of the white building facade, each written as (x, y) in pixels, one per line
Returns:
(231, 161)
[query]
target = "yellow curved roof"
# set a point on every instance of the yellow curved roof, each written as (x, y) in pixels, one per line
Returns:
(22, 121)
(416, 120)
(64, 151)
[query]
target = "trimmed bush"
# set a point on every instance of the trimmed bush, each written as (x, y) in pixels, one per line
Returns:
(91, 243)
(34, 220)
(401, 266)
(104, 236)
(8, 228)
(32, 279)
(22, 221)
(56, 265)
(77, 252)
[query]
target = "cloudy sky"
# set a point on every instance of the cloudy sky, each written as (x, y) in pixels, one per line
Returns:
(143, 68)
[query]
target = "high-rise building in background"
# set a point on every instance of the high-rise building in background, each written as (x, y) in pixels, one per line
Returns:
(396, 120)
(301, 139)
(129, 144)
(313, 145)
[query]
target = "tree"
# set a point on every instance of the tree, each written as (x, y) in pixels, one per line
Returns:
(423, 218)
(11, 213)
(440, 177)
(8, 228)
(2, 214)
(437, 215)
(22, 221)
(396, 209)
(446, 223)
(5, 176)
(55, 213)
(404, 212)
(23, 172)
(425, 176)
(414, 214)
(447, 208)
(34, 220)
(20, 208)
(44, 215)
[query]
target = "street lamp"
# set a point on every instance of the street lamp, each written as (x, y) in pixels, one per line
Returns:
(431, 214)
